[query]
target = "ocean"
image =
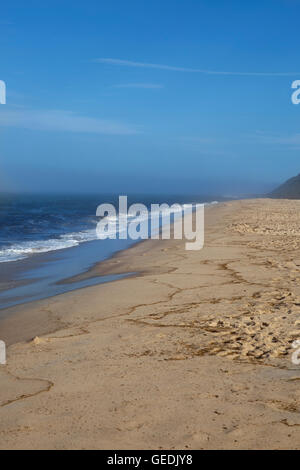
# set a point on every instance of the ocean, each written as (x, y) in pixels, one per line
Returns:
(45, 239)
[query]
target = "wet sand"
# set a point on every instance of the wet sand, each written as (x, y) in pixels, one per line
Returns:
(194, 352)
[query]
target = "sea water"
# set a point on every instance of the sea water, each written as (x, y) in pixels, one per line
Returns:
(45, 239)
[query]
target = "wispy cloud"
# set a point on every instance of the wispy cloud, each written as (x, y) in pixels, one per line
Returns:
(171, 68)
(150, 86)
(197, 140)
(59, 120)
(292, 140)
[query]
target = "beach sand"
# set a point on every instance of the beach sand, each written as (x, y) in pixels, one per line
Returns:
(194, 352)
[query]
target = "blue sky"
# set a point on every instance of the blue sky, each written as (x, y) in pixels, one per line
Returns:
(155, 96)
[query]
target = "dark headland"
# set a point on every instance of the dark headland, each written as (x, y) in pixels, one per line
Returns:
(288, 190)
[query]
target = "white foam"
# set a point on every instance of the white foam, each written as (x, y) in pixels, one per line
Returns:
(25, 249)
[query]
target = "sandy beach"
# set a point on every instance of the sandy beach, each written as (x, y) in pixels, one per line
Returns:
(192, 352)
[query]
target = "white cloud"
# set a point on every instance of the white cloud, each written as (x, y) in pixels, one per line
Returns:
(59, 120)
(197, 140)
(153, 86)
(276, 139)
(171, 68)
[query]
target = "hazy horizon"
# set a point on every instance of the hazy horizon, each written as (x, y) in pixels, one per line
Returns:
(230, 189)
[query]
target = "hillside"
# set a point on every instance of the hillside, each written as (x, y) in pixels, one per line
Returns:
(288, 190)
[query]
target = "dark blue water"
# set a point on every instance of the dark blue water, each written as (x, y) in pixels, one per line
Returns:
(41, 224)
(46, 239)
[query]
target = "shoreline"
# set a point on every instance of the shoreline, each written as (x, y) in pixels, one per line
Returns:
(119, 264)
(193, 352)
(45, 275)
(115, 264)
